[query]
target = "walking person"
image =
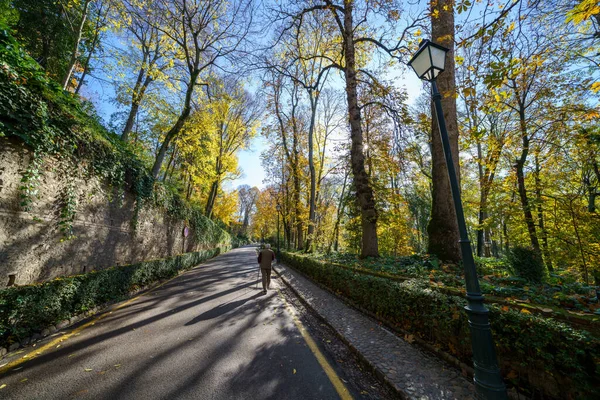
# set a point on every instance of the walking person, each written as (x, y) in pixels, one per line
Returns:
(265, 257)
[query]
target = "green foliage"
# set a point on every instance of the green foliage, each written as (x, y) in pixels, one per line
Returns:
(8, 14)
(526, 263)
(36, 110)
(25, 310)
(522, 339)
(47, 30)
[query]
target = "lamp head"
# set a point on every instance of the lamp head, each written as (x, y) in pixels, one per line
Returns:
(428, 62)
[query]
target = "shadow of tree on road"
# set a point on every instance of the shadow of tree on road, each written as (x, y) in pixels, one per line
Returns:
(220, 310)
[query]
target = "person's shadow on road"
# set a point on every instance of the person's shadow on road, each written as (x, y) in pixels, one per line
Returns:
(221, 310)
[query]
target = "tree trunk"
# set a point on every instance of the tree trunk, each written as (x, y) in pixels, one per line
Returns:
(185, 113)
(75, 50)
(364, 192)
(136, 99)
(540, 215)
(311, 166)
(519, 167)
(442, 228)
(299, 224)
(210, 203)
(86, 65)
(482, 212)
(506, 246)
(173, 153)
(340, 212)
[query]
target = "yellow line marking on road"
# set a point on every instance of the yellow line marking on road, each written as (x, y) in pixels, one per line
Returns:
(36, 352)
(331, 374)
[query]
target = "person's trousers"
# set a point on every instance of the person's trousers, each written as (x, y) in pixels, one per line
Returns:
(266, 277)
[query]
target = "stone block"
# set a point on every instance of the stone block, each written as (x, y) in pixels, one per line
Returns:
(63, 324)
(51, 329)
(45, 332)
(13, 346)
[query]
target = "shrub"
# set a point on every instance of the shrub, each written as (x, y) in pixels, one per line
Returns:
(25, 310)
(526, 263)
(537, 348)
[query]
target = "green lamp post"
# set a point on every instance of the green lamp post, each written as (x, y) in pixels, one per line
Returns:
(428, 62)
(278, 207)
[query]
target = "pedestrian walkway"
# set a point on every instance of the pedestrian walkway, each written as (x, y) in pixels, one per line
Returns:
(413, 372)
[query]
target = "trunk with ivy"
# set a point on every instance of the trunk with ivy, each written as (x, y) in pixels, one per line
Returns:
(364, 192)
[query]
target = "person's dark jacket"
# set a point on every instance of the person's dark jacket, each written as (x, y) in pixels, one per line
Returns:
(265, 257)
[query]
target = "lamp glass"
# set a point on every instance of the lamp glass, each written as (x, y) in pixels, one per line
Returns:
(438, 58)
(421, 62)
(429, 60)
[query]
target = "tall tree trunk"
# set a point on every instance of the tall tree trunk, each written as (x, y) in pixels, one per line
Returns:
(540, 215)
(173, 153)
(299, 224)
(340, 212)
(75, 50)
(136, 99)
(364, 192)
(482, 209)
(86, 65)
(442, 228)
(519, 169)
(210, 203)
(185, 113)
(506, 246)
(311, 166)
(482, 216)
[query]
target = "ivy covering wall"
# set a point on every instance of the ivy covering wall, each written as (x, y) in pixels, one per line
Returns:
(56, 125)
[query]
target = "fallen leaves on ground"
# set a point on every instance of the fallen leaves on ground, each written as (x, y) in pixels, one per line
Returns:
(88, 369)
(3, 386)
(294, 370)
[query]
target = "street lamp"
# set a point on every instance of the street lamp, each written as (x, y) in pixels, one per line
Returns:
(278, 207)
(428, 63)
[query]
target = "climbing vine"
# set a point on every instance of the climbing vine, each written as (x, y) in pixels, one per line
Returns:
(30, 182)
(68, 210)
(53, 123)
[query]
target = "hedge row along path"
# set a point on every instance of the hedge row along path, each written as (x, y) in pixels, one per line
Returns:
(206, 334)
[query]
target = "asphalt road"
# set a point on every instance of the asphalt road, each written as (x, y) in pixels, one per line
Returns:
(207, 334)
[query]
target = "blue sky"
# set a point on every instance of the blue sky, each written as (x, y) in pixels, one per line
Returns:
(250, 162)
(101, 92)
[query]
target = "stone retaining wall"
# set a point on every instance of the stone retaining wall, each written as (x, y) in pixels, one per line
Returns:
(32, 246)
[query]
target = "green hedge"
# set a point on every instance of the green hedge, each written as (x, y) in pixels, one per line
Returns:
(534, 352)
(25, 310)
